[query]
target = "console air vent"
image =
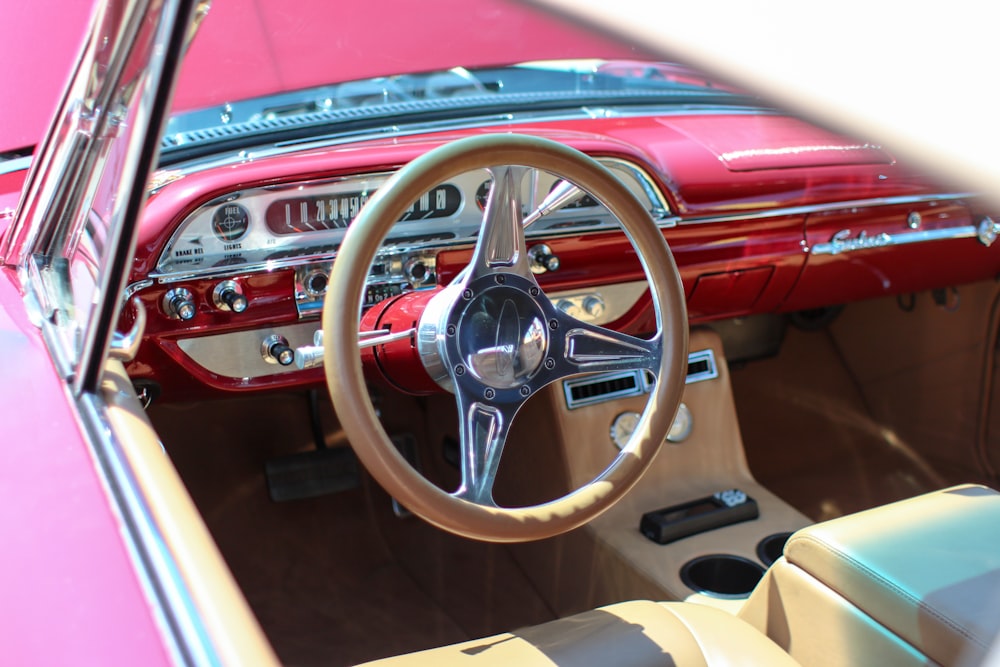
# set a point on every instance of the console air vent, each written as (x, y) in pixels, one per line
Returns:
(597, 388)
(607, 386)
(701, 366)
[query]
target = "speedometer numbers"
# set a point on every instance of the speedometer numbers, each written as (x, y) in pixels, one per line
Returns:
(312, 213)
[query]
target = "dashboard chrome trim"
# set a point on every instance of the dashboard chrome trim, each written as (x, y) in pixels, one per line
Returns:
(632, 384)
(807, 209)
(616, 300)
(236, 354)
(701, 367)
(665, 223)
(843, 242)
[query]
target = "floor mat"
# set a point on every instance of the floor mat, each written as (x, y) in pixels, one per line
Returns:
(810, 438)
(337, 579)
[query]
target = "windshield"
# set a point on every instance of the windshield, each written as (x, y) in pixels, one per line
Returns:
(277, 72)
(520, 91)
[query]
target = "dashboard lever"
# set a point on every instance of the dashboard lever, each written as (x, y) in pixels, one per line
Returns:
(308, 356)
(311, 356)
(381, 337)
(562, 194)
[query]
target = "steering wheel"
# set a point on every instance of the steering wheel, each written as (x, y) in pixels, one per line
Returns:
(493, 339)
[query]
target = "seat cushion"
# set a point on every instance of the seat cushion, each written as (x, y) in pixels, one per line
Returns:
(628, 634)
(927, 568)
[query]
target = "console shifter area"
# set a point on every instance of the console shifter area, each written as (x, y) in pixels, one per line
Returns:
(720, 509)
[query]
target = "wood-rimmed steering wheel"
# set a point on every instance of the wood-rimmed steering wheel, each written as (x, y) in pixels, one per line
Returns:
(493, 339)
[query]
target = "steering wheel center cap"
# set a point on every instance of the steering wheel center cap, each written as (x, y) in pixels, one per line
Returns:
(502, 337)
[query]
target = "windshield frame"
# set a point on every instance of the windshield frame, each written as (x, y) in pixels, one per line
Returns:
(73, 237)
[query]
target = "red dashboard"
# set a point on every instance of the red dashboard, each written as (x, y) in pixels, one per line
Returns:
(763, 213)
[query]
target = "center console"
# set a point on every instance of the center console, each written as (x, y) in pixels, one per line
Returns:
(719, 553)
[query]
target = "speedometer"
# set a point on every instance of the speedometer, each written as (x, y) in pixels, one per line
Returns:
(336, 210)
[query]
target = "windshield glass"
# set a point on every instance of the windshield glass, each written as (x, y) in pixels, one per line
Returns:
(523, 90)
(308, 79)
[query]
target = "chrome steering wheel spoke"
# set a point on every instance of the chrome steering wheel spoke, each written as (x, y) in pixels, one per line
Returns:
(501, 246)
(588, 348)
(483, 433)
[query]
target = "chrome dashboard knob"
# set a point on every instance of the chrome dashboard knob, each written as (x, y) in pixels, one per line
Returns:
(236, 301)
(228, 295)
(594, 306)
(178, 304)
(276, 350)
(541, 259)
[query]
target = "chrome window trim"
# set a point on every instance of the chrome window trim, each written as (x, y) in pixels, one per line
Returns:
(185, 636)
(59, 193)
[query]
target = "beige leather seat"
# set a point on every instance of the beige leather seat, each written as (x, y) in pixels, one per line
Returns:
(912, 583)
(629, 634)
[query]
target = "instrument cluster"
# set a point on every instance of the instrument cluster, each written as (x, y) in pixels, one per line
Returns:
(295, 224)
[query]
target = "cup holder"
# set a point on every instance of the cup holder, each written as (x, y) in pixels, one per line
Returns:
(770, 548)
(721, 575)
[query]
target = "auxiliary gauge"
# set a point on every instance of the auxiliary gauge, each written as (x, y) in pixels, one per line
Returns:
(483, 193)
(622, 428)
(624, 424)
(230, 222)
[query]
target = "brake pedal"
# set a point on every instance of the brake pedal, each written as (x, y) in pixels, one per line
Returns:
(311, 474)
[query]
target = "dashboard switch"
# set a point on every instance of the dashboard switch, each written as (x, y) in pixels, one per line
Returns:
(228, 295)
(276, 350)
(178, 304)
(594, 306)
(316, 283)
(541, 259)
(416, 272)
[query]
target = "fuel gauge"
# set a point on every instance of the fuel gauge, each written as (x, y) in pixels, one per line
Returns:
(230, 222)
